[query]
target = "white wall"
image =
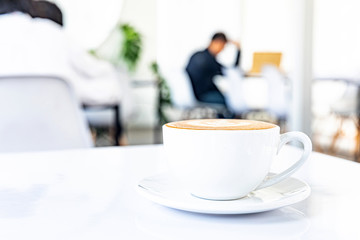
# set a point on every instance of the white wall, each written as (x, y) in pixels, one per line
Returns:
(337, 38)
(269, 26)
(260, 25)
(188, 25)
(89, 22)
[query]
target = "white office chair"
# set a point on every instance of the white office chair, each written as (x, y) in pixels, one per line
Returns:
(182, 96)
(40, 113)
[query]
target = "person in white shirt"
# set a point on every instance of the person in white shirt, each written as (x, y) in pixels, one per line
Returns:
(38, 46)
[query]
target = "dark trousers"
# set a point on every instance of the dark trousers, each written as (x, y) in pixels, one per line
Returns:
(213, 97)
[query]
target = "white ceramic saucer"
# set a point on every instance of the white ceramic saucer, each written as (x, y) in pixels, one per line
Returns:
(163, 190)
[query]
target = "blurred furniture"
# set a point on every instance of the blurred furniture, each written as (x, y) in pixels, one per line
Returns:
(346, 108)
(40, 113)
(113, 110)
(266, 75)
(264, 97)
(278, 93)
(182, 96)
(264, 58)
(235, 90)
(92, 113)
(90, 194)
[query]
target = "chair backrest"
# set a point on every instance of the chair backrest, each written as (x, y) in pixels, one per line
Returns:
(278, 97)
(261, 59)
(40, 113)
(182, 94)
(347, 105)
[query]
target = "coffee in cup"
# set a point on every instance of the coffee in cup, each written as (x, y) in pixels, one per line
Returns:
(224, 159)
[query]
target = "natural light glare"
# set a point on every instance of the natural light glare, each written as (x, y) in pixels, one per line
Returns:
(90, 22)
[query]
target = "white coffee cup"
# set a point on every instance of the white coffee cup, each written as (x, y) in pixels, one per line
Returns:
(223, 159)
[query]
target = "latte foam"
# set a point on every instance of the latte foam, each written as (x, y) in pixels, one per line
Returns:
(220, 124)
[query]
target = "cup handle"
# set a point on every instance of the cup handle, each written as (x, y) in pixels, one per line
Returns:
(285, 138)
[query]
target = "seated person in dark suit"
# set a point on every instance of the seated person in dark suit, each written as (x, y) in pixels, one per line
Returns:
(203, 67)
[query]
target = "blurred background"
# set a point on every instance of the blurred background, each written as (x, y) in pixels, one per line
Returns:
(124, 62)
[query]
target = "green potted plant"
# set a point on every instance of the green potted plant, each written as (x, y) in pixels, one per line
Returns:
(127, 52)
(164, 97)
(131, 46)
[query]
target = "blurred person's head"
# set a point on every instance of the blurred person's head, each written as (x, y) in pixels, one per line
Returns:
(47, 10)
(218, 42)
(10, 6)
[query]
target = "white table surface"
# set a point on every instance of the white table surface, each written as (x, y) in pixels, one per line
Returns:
(90, 194)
